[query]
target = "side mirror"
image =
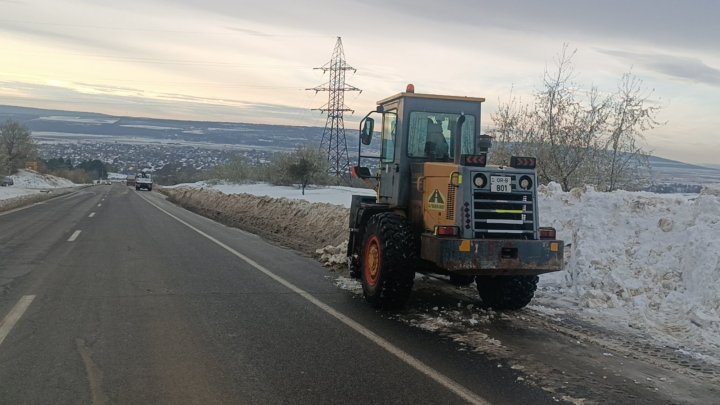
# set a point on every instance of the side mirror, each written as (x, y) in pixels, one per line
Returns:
(361, 172)
(483, 143)
(367, 131)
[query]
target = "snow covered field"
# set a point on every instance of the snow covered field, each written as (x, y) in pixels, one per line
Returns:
(635, 261)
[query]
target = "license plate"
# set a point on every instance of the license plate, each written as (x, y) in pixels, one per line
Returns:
(500, 184)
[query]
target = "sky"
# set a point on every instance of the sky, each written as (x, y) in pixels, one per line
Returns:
(252, 61)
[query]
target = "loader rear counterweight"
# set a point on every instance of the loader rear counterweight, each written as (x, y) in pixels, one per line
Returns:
(441, 208)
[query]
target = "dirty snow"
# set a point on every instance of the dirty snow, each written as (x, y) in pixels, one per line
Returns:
(634, 261)
(300, 224)
(647, 261)
(314, 194)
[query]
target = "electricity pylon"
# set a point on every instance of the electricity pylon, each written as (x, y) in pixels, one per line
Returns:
(333, 139)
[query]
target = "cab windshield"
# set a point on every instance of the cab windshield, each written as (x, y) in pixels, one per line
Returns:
(432, 135)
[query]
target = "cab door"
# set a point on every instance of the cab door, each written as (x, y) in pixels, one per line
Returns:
(389, 166)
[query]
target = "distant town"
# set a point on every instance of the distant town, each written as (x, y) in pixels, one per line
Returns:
(131, 158)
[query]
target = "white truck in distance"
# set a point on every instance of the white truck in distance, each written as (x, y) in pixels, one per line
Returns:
(143, 180)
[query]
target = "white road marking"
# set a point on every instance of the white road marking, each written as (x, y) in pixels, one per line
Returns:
(92, 214)
(11, 319)
(406, 357)
(74, 236)
(72, 195)
(99, 205)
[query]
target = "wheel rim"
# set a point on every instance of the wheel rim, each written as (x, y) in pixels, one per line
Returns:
(372, 261)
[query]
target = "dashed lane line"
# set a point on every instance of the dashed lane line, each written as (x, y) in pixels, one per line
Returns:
(92, 214)
(74, 236)
(404, 356)
(14, 315)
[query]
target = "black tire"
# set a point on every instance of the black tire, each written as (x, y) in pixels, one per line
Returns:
(506, 292)
(149, 188)
(457, 279)
(387, 261)
(137, 188)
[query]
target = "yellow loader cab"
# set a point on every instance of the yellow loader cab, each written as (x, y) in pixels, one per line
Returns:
(440, 208)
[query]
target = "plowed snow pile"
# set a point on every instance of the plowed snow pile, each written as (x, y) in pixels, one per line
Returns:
(637, 260)
(30, 186)
(648, 261)
(299, 223)
(329, 195)
(29, 179)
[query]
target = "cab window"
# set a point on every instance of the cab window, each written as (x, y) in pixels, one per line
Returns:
(432, 135)
(389, 131)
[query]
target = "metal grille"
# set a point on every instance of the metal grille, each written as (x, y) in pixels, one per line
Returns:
(450, 207)
(503, 215)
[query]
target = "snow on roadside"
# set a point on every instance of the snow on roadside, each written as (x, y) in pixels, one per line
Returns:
(641, 260)
(333, 255)
(28, 179)
(336, 195)
(28, 183)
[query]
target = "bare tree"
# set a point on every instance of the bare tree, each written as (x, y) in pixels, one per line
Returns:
(16, 146)
(578, 136)
(630, 117)
(569, 125)
(514, 132)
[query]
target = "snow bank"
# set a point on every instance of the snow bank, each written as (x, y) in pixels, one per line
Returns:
(649, 261)
(29, 187)
(28, 179)
(298, 223)
(331, 195)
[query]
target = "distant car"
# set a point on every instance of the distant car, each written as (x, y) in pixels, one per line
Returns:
(7, 181)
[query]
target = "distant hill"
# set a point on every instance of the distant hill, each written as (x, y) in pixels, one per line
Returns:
(55, 124)
(671, 171)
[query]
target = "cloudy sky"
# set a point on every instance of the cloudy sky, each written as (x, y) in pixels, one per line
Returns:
(247, 61)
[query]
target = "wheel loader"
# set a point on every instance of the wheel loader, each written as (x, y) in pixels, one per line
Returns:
(440, 208)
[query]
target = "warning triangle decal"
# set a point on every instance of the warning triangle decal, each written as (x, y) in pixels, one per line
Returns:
(436, 201)
(436, 197)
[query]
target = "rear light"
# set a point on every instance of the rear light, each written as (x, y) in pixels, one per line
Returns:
(547, 233)
(442, 230)
(522, 162)
(475, 160)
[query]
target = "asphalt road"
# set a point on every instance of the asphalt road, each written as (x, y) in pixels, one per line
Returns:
(109, 295)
